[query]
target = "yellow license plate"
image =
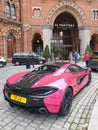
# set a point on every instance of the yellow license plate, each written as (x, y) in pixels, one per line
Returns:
(95, 59)
(18, 98)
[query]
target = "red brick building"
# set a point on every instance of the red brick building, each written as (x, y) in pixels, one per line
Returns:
(30, 25)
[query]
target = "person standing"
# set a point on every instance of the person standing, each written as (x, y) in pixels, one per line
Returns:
(29, 61)
(78, 56)
(75, 57)
(87, 58)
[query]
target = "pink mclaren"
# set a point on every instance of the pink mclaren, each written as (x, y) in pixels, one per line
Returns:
(49, 88)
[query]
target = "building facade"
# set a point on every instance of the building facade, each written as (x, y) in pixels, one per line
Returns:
(63, 25)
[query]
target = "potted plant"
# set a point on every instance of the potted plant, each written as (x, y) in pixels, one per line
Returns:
(46, 52)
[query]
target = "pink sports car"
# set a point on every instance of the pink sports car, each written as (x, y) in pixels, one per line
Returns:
(48, 88)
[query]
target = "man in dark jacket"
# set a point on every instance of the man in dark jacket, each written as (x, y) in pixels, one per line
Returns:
(30, 62)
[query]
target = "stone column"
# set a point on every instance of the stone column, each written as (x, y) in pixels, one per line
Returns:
(47, 35)
(84, 35)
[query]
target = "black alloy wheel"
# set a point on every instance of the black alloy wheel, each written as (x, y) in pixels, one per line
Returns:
(40, 62)
(17, 63)
(1, 64)
(66, 103)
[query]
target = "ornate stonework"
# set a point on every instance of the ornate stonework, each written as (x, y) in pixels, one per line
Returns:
(70, 7)
(5, 32)
(15, 2)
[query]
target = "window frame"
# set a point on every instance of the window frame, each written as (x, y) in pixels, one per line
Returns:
(13, 11)
(36, 12)
(8, 10)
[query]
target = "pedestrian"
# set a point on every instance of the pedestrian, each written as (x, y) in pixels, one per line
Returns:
(50, 57)
(87, 59)
(30, 62)
(78, 56)
(75, 57)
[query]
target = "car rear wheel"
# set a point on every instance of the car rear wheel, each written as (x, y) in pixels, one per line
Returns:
(17, 63)
(66, 103)
(40, 62)
(1, 64)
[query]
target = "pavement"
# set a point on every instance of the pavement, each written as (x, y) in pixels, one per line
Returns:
(93, 123)
(83, 114)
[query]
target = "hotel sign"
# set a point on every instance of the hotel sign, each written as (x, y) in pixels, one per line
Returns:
(66, 25)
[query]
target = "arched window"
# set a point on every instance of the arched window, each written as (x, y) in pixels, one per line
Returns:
(13, 11)
(8, 11)
(11, 45)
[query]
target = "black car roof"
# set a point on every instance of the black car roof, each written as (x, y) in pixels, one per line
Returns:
(59, 64)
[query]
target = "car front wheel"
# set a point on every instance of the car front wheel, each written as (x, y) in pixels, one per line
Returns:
(1, 64)
(67, 102)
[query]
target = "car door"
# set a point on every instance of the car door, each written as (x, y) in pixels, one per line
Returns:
(80, 76)
(74, 76)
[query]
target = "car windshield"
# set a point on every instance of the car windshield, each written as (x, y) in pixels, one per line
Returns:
(34, 54)
(46, 68)
(16, 54)
(23, 54)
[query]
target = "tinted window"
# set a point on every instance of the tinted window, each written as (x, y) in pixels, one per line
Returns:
(47, 68)
(34, 54)
(24, 54)
(74, 68)
(21, 54)
(16, 55)
(96, 53)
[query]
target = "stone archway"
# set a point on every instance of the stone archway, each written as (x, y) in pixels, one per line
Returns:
(70, 7)
(37, 43)
(78, 14)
